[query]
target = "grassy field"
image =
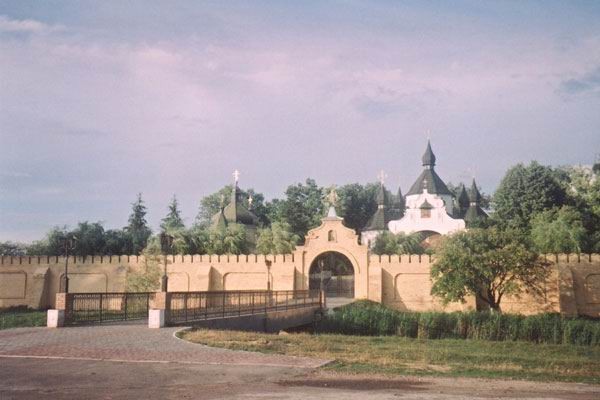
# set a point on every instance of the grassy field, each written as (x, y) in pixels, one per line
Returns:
(21, 317)
(444, 357)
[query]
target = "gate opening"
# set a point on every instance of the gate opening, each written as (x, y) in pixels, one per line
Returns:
(333, 273)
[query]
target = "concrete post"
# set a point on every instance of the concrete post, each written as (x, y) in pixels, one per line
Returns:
(56, 317)
(157, 315)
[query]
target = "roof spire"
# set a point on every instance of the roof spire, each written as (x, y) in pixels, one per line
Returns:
(463, 198)
(474, 195)
(428, 156)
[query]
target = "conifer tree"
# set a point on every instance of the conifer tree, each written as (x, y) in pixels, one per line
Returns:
(173, 221)
(138, 229)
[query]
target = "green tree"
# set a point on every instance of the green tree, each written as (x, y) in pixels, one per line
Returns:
(138, 230)
(525, 191)
(173, 221)
(146, 278)
(486, 263)
(230, 240)
(558, 231)
(400, 243)
(277, 239)
(116, 242)
(198, 240)
(53, 244)
(302, 208)
(357, 204)
(90, 239)
(583, 188)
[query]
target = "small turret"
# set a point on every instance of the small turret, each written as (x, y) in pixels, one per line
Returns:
(378, 221)
(474, 212)
(474, 195)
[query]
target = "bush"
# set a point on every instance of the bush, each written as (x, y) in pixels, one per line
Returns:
(369, 318)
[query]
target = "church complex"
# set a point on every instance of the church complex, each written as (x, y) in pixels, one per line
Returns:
(333, 258)
(429, 208)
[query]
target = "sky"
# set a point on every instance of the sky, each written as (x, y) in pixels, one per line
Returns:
(101, 100)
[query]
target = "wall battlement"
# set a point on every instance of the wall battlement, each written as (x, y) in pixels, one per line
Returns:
(133, 259)
(252, 259)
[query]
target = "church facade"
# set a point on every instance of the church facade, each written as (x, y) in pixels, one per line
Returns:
(429, 207)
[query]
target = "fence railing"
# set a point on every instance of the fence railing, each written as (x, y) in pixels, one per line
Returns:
(105, 307)
(198, 306)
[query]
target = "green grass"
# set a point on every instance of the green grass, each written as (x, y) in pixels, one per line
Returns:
(408, 356)
(21, 317)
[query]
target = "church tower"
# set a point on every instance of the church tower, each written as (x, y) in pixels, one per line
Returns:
(429, 204)
(236, 212)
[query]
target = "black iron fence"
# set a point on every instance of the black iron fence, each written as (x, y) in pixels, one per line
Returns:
(198, 306)
(85, 308)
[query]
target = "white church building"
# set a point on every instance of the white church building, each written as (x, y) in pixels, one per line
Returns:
(429, 207)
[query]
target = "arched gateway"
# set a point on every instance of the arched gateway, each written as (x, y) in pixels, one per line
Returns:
(333, 273)
(333, 259)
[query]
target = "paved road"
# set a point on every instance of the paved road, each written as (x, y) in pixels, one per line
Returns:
(80, 363)
(130, 343)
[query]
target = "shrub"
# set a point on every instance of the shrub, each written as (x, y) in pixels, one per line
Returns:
(369, 318)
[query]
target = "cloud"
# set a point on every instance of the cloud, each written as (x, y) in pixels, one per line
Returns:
(8, 25)
(586, 83)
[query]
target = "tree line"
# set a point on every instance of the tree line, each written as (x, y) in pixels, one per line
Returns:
(283, 223)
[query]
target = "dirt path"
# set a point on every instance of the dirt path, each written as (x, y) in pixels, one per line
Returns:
(27, 378)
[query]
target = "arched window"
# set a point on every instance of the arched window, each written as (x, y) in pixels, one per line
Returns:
(331, 236)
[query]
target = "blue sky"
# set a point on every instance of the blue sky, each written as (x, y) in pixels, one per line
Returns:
(102, 100)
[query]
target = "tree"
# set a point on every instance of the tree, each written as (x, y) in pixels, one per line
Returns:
(198, 240)
(230, 240)
(277, 239)
(12, 249)
(138, 230)
(357, 204)
(486, 263)
(53, 244)
(116, 242)
(400, 243)
(525, 191)
(147, 278)
(211, 204)
(302, 208)
(583, 189)
(173, 221)
(90, 239)
(558, 231)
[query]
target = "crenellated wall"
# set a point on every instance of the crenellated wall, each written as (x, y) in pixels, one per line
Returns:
(401, 282)
(34, 281)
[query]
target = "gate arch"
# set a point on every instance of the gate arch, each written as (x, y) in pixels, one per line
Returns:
(333, 272)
